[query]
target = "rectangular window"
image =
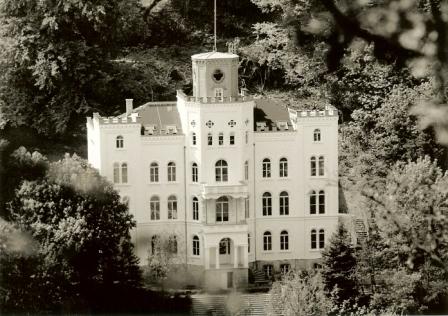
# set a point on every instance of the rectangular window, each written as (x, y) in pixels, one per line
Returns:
(246, 208)
(221, 139)
(219, 93)
(232, 139)
(195, 210)
(210, 139)
(246, 171)
(285, 268)
(267, 271)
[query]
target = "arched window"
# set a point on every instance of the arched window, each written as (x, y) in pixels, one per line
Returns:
(196, 245)
(321, 166)
(171, 172)
(119, 142)
(284, 240)
(210, 139)
(222, 209)
(246, 208)
(321, 239)
(232, 138)
(313, 239)
(116, 172)
(194, 172)
(267, 241)
(246, 170)
(283, 167)
(124, 172)
(155, 244)
(221, 171)
(284, 203)
(221, 139)
(248, 242)
(313, 202)
(154, 206)
(267, 204)
(172, 244)
(266, 168)
(195, 209)
(154, 172)
(316, 135)
(172, 207)
(321, 202)
(313, 166)
(224, 246)
(193, 139)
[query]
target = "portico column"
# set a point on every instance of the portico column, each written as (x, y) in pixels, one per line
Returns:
(207, 258)
(235, 256)
(245, 257)
(217, 257)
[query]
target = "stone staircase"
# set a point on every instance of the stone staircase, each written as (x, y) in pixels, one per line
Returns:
(360, 230)
(255, 304)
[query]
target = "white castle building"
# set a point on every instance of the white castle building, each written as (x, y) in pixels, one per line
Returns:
(236, 182)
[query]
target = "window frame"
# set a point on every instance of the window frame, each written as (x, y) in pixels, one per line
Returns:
(313, 166)
(283, 200)
(321, 202)
(154, 172)
(284, 240)
(124, 173)
(267, 241)
(313, 202)
(209, 139)
(267, 204)
(196, 246)
(232, 139)
(119, 142)
(194, 172)
(321, 166)
(221, 139)
(266, 168)
(221, 171)
(193, 139)
(172, 207)
(195, 208)
(283, 167)
(154, 208)
(317, 138)
(222, 209)
(171, 174)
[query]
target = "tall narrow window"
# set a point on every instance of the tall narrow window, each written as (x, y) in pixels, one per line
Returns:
(222, 209)
(283, 167)
(321, 202)
(224, 246)
(172, 244)
(267, 269)
(285, 268)
(154, 172)
(155, 244)
(248, 242)
(210, 139)
(284, 240)
(313, 166)
(284, 203)
(154, 205)
(116, 172)
(221, 171)
(119, 142)
(194, 172)
(313, 239)
(193, 139)
(321, 166)
(321, 239)
(171, 172)
(232, 139)
(316, 135)
(221, 139)
(267, 241)
(172, 207)
(313, 202)
(246, 207)
(267, 204)
(266, 168)
(195, 209)
(246, 170)
(195, 245)
(124, 172)
(246, 136)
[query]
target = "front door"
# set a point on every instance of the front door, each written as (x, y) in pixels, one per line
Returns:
(229, 280)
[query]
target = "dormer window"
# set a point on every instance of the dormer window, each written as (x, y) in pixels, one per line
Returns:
(283, 126)
(171, 130)
(261, 126)
(149, 129)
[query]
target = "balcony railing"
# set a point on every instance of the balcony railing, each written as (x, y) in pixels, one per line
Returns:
(217, 190)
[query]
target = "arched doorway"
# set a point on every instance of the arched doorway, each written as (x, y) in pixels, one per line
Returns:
(226, 251)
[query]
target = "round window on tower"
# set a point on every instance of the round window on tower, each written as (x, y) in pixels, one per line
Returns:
(218, 75)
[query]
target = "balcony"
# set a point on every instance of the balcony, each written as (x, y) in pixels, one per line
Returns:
(230, 228)
(236, 191)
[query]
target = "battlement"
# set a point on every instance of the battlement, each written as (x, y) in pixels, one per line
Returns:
(206, 100)
(330, 111)
(132, 118)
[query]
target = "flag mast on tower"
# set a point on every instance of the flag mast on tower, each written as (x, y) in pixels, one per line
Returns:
(214, 47)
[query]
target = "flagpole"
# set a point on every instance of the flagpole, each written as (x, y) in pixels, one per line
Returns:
(214, 47)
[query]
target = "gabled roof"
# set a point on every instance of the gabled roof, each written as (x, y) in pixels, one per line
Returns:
(160, 115)
(270, 111)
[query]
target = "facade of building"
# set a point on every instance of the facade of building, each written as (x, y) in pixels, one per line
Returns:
(233, 182)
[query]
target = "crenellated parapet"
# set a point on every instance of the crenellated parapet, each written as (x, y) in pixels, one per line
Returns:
(213, 100)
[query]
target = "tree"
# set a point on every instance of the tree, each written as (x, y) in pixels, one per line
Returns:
(82, 234)
(52, 55)
(161, 257)
(300, 293)
(339, 264)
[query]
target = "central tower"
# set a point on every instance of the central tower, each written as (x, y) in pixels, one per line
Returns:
(215, 75)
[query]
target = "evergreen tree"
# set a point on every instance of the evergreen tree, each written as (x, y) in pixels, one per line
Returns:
(339, 264)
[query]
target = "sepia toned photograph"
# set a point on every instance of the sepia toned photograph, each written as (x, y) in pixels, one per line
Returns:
(223, 157)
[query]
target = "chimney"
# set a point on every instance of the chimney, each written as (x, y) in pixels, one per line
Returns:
(129, 106)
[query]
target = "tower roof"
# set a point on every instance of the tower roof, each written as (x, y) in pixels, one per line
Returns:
(214, 55)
